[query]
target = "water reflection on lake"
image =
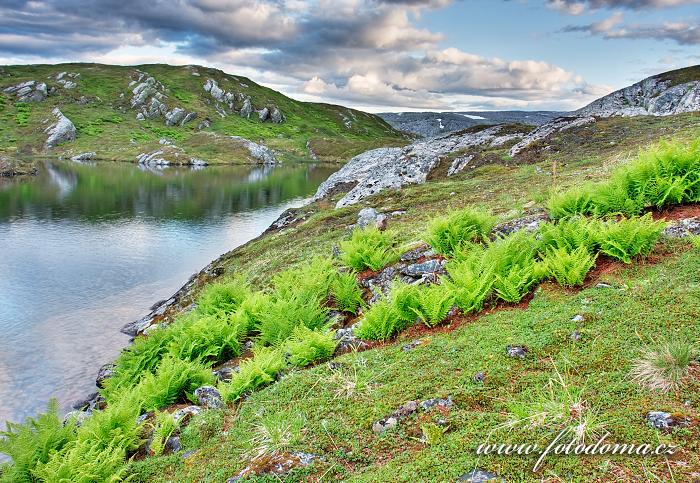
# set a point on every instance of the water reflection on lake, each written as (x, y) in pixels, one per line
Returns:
(85, 249)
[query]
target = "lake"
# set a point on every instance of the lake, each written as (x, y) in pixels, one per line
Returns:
(87, 248)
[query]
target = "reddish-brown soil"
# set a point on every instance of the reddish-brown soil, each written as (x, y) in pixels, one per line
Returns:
(676, 212)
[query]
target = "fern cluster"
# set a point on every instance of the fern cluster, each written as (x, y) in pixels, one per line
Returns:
(667, 174)
(448, 234)
(629, 238)
(307, 346)
(569, 267)
(346, 292)
(253, 374)
(381, 322)
(369, 248)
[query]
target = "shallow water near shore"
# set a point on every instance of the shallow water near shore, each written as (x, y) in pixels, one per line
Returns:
(85, 249)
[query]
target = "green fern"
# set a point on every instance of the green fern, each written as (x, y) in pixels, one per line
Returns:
(284, 314)
(84, 463)
(306, 346)
(513, 284)
(629, 238)
(570, 234)
(569, 268)
(406, 300)
(470, 281)
(435, 301)
(346, 292)
(381, 322)
(577, 201)
(448, 234)
(369, 248)
(30, 444)
(172, 380)
(253, 374)
(165, 426)
(223, 296)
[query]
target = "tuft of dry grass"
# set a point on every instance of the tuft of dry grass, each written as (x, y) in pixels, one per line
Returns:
(664, 367)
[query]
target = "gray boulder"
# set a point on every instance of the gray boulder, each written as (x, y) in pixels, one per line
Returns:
(391, 168)
(264, 114)
(175, 116)
(258, 151)
(29, 91)
(276, 116)
(61, 131)
(208, 397)
(247, 108)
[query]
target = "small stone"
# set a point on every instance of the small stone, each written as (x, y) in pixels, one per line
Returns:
(578, 318)
(411, 345)
(479, 377)
(575, 336)
(384, 424)
(367, 217)
(516, 351)
(382, 222)
(208, 397)
(406, 409)
(480, 476)
(664, 420)
(429, 404)
(184, 415)
(603, 285)
(187, 454)
(105, 372)
(429, 267)
(173, 444)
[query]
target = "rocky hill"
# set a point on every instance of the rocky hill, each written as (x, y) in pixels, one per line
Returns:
(159, 115)
(430, 124)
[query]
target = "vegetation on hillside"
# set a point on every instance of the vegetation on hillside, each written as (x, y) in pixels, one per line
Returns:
(99, 107)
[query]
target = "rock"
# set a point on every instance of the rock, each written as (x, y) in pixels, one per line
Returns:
(84, 156)
(276, 116)
(429, 267)
(172, 445)
(658, 95)
(61, 131)
(78, 417)
(348, 342)
(382, 222)
(664, 420)
(29, 91)
(175, 116)
(366, 217)
(391, 168)
(575, 336)
(384, 424)
(247, 108)
(683, 228)
(479, 377)
(480, 476)
(516, 351)
(204, 124)
(411, 345)
(430, 404)
(603, 285)
(417, 253)
(459, 164)
(184, 415)
(152, 159)
(105, 372)
(274, 464)
(546, 130)
(189, 117)
(198, 162)
(258, 151)
(263, 114)
(208, 397)
(530, 223)
(578, 318)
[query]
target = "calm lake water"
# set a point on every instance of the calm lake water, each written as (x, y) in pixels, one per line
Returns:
(85, 249)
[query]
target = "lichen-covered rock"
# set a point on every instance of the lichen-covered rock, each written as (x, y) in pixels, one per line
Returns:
(257, 151)
(391, 168)
(664, 420)
(458, 165)
(276, 116)
(62, 131)
(683, 228)
(105, 372)
(208, 397)
(247, 108)
(84, 157)
(529, 223)
(480, 476)
(184, 415)
(263, 114)
(175, 116)
(546, 130)
(29, 91)
(220, 95)
(148, 96)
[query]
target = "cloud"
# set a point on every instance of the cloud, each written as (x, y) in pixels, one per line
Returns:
(577, 7)
(683, 33)
(366, 52)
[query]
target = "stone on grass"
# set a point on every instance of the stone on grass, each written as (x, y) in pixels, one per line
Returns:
(516, 351)
(480, 476)
(208, 397)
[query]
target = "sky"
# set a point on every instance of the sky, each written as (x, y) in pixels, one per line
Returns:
(376, 55)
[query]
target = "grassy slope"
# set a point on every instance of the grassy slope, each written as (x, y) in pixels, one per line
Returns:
(107, 124)
(657, 301)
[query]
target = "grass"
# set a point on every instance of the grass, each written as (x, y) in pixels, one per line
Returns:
(663, 368)
(107, 124)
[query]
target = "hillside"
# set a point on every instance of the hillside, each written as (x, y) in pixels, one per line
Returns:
(491, 297)
(430, 124)
(186, 115)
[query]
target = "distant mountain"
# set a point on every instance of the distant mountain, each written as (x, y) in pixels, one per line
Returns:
(430, 124)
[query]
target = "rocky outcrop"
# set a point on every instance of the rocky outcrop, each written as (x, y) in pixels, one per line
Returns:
(82, 157)
(61, 131)
(168, 155)
(68, 80)
(220, 95)
(179, 116)
(390, 168)
(546, 130)
(148, 97)
(30, 91)
(247, 108)
(257, 151)
(660, 95)
(276, 116)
